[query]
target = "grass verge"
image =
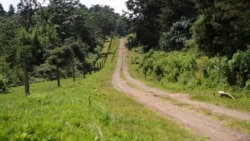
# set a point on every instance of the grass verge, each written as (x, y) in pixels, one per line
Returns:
(88, 109)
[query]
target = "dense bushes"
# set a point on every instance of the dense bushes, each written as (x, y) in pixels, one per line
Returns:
(190, 70)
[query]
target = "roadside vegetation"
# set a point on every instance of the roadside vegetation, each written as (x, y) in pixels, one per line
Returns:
(181, 72)
(194, 47)
(87, 109)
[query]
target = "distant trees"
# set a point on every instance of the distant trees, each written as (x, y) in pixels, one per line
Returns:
(218, 27)
(2, 11)
(11, 10)
(62, 39)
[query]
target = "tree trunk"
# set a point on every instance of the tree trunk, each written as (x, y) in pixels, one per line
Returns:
(58, 76)
(74, 71)
(84, 70)
(110, 42)
(26, 77)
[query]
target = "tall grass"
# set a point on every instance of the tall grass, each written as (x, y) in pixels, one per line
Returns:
(88, 109)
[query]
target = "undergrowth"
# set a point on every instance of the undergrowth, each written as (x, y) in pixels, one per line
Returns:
(200, 76)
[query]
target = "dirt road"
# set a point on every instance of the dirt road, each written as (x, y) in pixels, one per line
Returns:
(152, 98)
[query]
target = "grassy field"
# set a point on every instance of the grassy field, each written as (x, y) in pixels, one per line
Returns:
(88, 109)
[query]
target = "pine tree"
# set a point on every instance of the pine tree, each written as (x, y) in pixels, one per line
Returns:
(11, 10)
(2, 12)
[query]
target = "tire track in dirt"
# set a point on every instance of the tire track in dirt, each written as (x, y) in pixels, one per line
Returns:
(197, 122)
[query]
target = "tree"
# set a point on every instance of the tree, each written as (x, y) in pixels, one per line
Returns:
(27, 9)
(173, 10)
(104, 24)
(176, 19)
(102, 20)
(223, 27)
(121, 27)
(56, 59)
(2, 12)
(143, 20)
(24, 54)
(179, 33)
(63, 14)
(11, 10)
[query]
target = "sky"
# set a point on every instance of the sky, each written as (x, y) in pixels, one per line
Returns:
(118, 5)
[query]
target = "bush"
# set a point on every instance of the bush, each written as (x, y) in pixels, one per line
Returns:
(216, 72)
(170, 66)
(3, 86)
(240, 68)
(248, 85)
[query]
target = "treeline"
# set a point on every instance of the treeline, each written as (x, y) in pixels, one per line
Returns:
(61, 39)
(214, 32)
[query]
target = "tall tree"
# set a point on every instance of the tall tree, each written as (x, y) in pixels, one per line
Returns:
(11, 10)
(63, 14)
(143, 19)
(2, 11)
(27, 10)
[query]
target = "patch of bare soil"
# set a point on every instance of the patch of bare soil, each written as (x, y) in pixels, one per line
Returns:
(197, 122)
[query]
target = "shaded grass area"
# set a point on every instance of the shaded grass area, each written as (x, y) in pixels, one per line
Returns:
(88, 109)
(199, 93)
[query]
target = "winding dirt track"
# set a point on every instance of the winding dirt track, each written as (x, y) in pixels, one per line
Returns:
(197, 122)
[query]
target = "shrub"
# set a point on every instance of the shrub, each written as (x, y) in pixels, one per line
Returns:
(248, 85)
(240, 68)
(191, 70)
(3, 86)
(167, 65)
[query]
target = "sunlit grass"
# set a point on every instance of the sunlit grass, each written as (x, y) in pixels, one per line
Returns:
(88, 109)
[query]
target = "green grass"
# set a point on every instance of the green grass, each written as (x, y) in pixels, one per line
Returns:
(197, 93)
(88, 109)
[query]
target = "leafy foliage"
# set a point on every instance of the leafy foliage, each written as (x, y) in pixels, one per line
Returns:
(169, 67)
(64, 38)
(222, 28)
(179, 33)
(194, 71)
(143, 20)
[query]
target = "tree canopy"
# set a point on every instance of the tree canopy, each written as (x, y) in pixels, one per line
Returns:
(217, 27)
(61, 39)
